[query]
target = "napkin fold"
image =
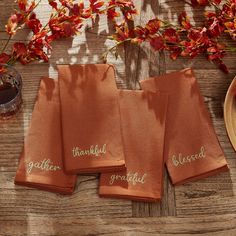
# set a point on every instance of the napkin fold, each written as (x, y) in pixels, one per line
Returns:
(90, 119)
(143, 116)
(192, 150)
(41, 164)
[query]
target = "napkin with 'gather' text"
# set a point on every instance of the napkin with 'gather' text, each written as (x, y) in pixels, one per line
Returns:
(41, 164)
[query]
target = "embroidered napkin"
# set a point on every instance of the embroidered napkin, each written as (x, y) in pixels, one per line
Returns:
(192, 150)
(90, 119)
(143, 118)
(41, 163)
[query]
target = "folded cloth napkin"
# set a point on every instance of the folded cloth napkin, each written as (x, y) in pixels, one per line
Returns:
(192, 150)
(90, 119)
(41, 164)
(143, 118)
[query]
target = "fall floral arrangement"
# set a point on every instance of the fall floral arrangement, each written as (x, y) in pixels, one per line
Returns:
(180, 39)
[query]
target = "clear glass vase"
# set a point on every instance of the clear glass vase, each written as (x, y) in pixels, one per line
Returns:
(10, 91)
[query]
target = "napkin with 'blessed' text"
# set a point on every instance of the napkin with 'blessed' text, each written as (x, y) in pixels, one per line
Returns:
(143, 118)
(192, 150)
(90, 119)
(41, 163)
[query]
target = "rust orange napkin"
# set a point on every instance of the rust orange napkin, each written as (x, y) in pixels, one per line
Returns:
(143, 118)
(90, 118)
(192, 150)
(41, 163)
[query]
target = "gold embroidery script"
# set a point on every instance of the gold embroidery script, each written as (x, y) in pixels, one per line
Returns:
(182, 160)
(45, 165)
(94, 150)
(133, 178)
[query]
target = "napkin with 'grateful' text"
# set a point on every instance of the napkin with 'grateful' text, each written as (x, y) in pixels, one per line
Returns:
(90, 118)
(192, 150)
(143, 116)
(41, 163)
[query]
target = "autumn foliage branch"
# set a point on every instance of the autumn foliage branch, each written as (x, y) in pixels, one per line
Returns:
(180, 39)
(66, 20)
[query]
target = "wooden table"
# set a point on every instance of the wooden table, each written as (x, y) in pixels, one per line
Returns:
(205, 207)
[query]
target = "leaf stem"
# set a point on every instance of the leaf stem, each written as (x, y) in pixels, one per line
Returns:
(104, 55)
(6, 44)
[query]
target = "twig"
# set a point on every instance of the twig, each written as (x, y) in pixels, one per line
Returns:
(104, 55)
(6, 44)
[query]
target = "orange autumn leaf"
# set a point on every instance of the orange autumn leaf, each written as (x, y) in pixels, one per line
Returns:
(153, 26)
(12, 24)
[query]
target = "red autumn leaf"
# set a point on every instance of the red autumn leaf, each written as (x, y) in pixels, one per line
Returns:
(96, 5)
(36, 51)
(171, 35)
(153, 26)
(140, 33)
(223, 67)
(53, 4)
(137, 40)
(186, 48)
(157, 43)
(199, 37)
(203, 2)
(4, 58)
(122, 32)
(215, 28)
(121, 35)
(112, 14)
(199, 3)
(121, 3)
(66, 3)
(54, 25)
(31, 7)
(40, 54)
(22, 4)
(175, 52)
(128, 13)
(39, 35)
(68, 30)
(34, 24)
(78, 9)
(19, 49)
(215, 53)
(194, 34)
(49, 39)
(184, 21)
(127, 7)
(209, 14)
(217, 1)
(228, 10)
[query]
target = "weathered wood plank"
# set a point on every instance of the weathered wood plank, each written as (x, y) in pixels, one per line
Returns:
(217, 191)
(84, 203)
(33, 225)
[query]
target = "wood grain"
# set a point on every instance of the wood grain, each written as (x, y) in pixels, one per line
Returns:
(206, 207)
(73, 226)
